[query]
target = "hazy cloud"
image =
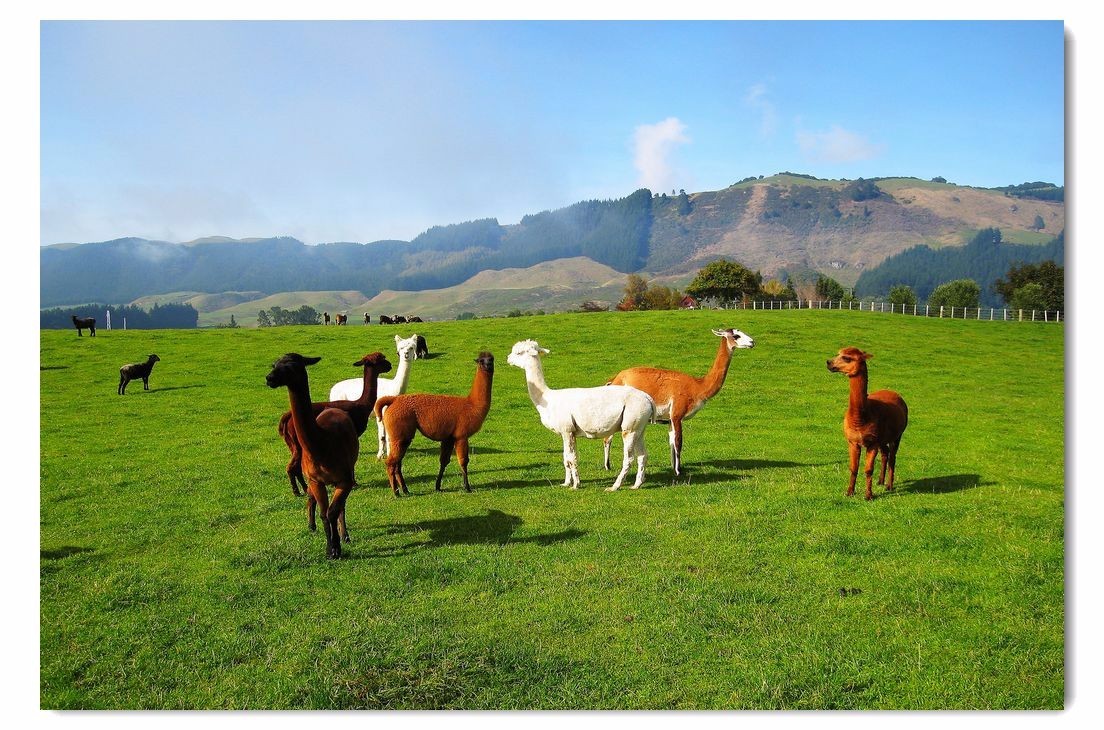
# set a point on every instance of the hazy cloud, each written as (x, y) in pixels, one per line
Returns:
(654, 146)
(756, 98)
(837, 145)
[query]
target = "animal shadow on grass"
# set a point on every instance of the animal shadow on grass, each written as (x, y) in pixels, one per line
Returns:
(940, 485)
(727, 470)
(53, 367)
(64, 552)
(177, 387)
(494, 528)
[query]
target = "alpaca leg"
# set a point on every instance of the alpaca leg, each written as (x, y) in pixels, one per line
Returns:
(462, 459)
(446, 454)
(629, 439)
(311, 505)
(394, 465)
(856, 450)
(892, 464)
(381, 453)
(871, 455)
(606, 451)
(641, 455)
(122, 384)
(145, 383)
(884, 451)
(333, 520)
(292, 469)
(571, 474)
(317, 491)
(676, 445)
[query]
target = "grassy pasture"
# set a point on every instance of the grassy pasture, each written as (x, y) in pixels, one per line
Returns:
(177, 571)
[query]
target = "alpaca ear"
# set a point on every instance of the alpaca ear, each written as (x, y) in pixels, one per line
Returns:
(311, 360)
(545, 350)
(397, 339)
(719, 333)
(867, 356)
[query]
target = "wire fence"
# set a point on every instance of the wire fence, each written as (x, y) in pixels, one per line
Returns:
(986, 314)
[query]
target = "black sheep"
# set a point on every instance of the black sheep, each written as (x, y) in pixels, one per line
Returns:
(136, 370)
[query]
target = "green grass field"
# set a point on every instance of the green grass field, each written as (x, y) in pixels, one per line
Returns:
(177, 571)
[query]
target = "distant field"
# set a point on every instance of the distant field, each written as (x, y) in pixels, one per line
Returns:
(177, 571)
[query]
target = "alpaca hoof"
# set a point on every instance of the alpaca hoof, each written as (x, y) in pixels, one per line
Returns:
(312, 528)
(611, 489)
(869, 497)
(635, 486)
(573, 487)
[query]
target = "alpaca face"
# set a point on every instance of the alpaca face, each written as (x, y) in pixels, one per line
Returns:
(736, 339)
(850, 361)
(406, 348)
(524, 353)
(291, 369)
(154, 358)
(485, 361)
(376, 361)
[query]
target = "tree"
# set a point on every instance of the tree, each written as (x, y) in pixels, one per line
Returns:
(829, 289)
(233, 322)
(593, 306)
(1047, 274)
(1029, 296)
(661, 297)
(725, 280)
(463, 316)
(959, 293)
(902, 295)
(263, 319)
(683, 203)
(635, 288)
(1039, 224)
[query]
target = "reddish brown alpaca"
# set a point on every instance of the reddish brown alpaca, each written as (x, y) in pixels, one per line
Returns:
(360, 410)
(679, 396)
(329, 445)
(449, 419)
(876, 421)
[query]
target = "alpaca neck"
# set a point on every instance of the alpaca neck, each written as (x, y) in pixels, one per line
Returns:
(856, 406)
(534, 380)
(402, 373)
(369, 388)
(480, 394)
(302, 415)
(713, 380)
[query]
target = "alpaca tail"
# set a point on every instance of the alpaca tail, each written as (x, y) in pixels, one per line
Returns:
(382, 403)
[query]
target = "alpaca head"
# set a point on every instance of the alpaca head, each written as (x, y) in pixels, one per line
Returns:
(850, 361)
(525, 353)
(485, 361)
(291, 369)
(376, 361)
(154, 358)
(735, 339)
(406, 348)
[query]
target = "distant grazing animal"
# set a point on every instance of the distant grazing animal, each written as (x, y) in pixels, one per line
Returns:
(449, 419)
(367, 318)
(325, 318)
(679, 396)
(360, 410)
(590, 412)
(136, 370)
(82, 323)
(384, 319)
(352, 388)
(421, 350)
(329, 446)
(876, 421)
(411, 320)
(398, 319)
(342, 318)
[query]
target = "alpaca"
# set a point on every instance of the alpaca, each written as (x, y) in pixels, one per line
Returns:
(876, 421)
(325, 318)
(351, 389)
(342, 318)
(679, 396)
(398, 319)
(85, 323)
(360, 410)
(367, 318)
(412, 320)
(449, 419)
(384, 319)
(591, 412)
(420, 349)
(136, 370)
(329, 443)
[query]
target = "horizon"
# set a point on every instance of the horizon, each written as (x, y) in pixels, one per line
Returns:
(365, 131)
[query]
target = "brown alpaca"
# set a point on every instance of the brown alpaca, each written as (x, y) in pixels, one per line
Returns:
(329, 446)
(360, 410)
(449, 419)
(679, 396)
(876, 422)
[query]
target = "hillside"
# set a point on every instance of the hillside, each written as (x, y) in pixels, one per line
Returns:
(786, 222)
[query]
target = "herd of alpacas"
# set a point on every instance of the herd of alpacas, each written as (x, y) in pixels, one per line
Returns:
(324, 438)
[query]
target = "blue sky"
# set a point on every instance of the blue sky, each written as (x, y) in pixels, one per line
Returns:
(360, 131)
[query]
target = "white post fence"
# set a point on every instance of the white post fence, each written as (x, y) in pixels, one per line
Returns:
(975, 313)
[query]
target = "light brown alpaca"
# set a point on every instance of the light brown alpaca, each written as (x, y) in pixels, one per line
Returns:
(876, 421)
(329, 443)
(679, 396)
(360, 410)
(449, 419)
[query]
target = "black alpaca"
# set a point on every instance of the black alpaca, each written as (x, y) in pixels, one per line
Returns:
(88, 323)
(136, 370)
(420, 349)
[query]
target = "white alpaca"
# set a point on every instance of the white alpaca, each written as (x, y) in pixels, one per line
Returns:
(590, 412)
(352, 388)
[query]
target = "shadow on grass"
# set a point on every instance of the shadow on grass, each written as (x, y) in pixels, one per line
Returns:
(53, 367)
(177, 387)
(941, 485)
(64, 552)
(494, 528)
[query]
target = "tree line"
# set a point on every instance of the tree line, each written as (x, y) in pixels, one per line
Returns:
(160, 316)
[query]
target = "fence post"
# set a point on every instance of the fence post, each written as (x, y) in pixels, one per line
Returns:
(952, 311)
(1032, 315)
(991, 310)
(1021, 315)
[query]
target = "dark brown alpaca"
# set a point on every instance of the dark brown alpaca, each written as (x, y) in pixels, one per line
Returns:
(874, 421)
(360, 410)
(85, 323)
(329, 446)
(449, 419)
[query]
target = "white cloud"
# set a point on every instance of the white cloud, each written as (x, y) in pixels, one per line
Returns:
(756, 98)
(654, 146)
(837, 145)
